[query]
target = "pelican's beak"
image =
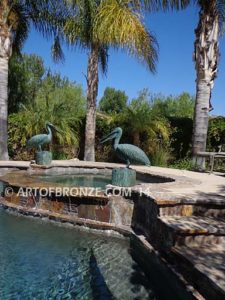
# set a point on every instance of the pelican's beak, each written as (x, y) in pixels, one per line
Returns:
(108, 137)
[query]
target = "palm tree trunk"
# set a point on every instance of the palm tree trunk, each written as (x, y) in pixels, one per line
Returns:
(5, 53)
(206, 59)
(201, 118)
(92, 92)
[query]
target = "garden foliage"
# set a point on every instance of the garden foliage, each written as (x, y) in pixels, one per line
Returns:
(161, 126)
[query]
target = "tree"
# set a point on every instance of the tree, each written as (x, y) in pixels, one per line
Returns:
(113, 101)
(211, 19)
(206, 55)
(25, 78)
(58, 101)
(181, 106)
(140, 119)
(96, 26)
(16, 17)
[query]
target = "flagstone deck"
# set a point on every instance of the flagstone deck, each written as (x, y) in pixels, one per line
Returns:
(187, 187)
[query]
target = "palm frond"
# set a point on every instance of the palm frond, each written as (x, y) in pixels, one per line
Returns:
(47, 16)
(78, 26)
(118, 26)
(19, 22)
(158, 5)
(221, 14)
(103, 58)
(56, 49)
(72, 30)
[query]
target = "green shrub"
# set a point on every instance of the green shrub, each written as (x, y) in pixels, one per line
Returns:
(160, 158)
(216, 133)
(183, 164)
(58, 101)
(181, 136)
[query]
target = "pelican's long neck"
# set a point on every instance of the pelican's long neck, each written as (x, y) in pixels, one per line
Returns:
(117, 140)
(49, 132)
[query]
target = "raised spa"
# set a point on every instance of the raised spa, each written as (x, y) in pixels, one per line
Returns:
(91, 178)
(73, 177)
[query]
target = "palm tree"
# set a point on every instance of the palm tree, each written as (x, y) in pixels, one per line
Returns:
(211, 18)
(141, 119)
(16, 17)
(206, 56)
(97, 26)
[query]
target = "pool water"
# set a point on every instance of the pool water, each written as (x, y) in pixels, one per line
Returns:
(79, 180)
(41, 260)
(86, 180)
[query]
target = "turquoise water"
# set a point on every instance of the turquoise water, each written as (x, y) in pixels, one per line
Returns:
(87, 180)
(39, 260)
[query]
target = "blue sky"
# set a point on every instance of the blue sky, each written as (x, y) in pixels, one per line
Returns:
(175, 69)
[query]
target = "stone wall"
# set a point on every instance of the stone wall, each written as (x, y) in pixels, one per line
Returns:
(114, 209)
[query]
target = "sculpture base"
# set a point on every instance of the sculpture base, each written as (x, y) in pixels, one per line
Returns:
(43, 158)
(123, 177)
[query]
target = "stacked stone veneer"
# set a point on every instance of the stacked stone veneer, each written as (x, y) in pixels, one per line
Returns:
(142, 213)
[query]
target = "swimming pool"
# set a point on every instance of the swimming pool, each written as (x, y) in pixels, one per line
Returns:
(40, 260)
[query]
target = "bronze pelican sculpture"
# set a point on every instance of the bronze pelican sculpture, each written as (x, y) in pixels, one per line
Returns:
(39, 140)
(126, 152)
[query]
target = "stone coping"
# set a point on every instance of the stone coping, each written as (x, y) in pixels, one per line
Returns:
(193, 225)
(205, 267)
(188, 187)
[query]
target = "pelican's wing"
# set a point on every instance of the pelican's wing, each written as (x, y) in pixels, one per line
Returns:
(36, 140)
(133, 154)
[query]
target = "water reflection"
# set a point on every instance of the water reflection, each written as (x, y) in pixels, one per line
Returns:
(39, 260)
